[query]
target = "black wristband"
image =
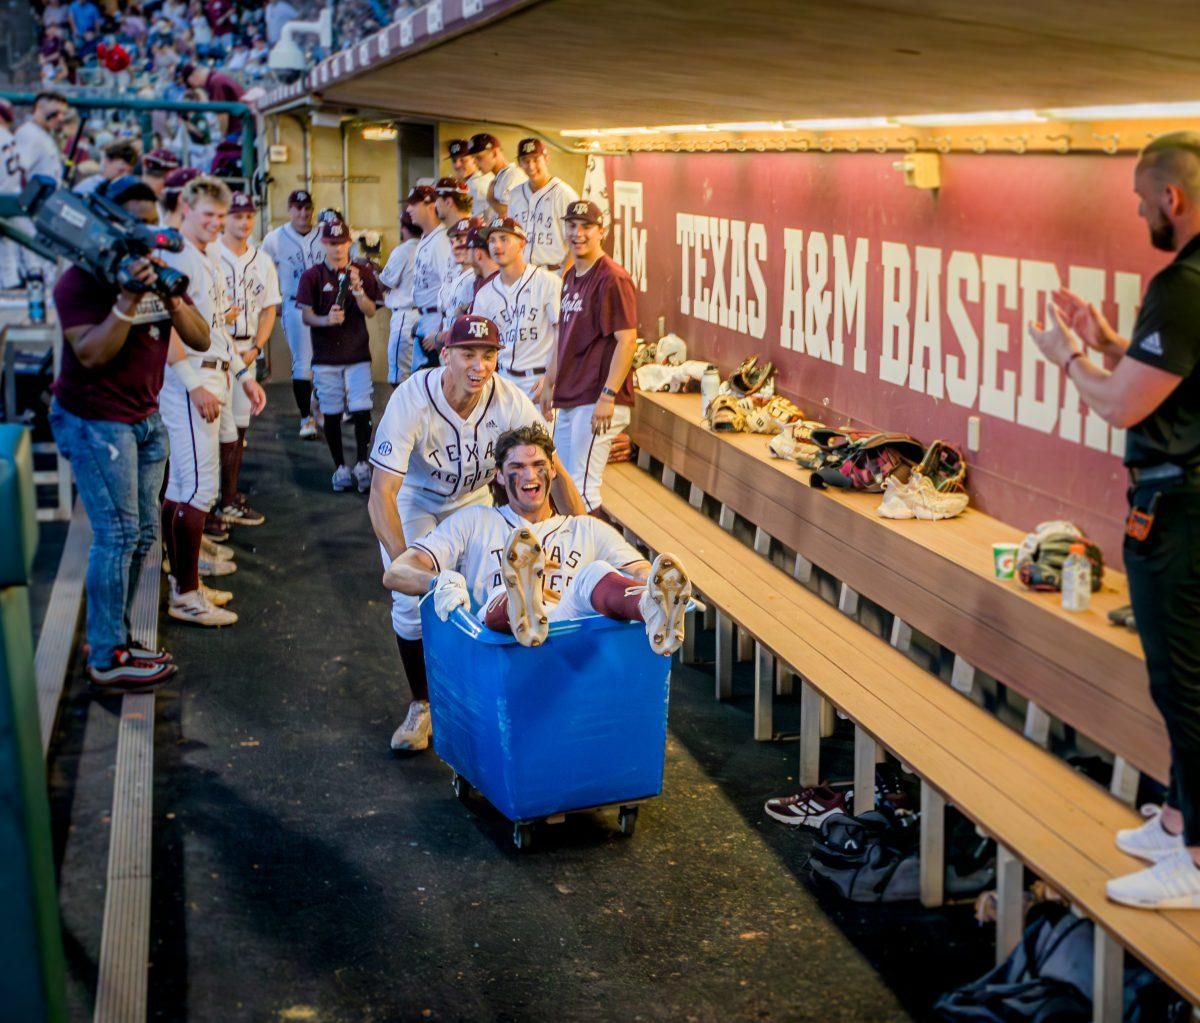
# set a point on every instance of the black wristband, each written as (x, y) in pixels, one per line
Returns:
(609, 391)
(1067, 364)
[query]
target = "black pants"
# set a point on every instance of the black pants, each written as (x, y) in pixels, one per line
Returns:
(1164, 587)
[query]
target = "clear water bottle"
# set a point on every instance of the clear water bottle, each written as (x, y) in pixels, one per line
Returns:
(710, 383)
(1077, 580)
(36, 289)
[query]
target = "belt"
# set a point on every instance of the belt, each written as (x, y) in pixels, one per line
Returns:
(220, 364)
(246, 338)
(556, 266)
(540, 371)
(1167, 472)
(424, 312)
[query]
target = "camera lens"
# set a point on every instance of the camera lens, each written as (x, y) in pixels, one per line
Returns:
(170, 283)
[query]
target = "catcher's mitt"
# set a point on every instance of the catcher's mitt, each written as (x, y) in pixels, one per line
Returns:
(944, 467)
(751, 376)
(726, 415)
(1044, 570)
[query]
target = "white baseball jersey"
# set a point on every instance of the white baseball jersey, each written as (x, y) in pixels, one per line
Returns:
(507, 177)
(540, 214)
(39, 152)
(292, 253)
(251, 284)
(89, 184)
(478, 185)
(471, 541)
(423, 439)
(433, 266)
(526, 313)
(455, 296)
(12, 179)
(397, 276)
(207, 292)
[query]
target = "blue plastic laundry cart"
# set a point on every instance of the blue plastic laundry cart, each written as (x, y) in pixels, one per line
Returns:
(577, 723)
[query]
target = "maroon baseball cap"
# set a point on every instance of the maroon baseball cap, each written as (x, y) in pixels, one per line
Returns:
(160, 161)
(477, 239)
(472, 330)
(531, 147)
(483, 141)
(6, 111)
(420, 193)
(505, 225)
(300, 197)
(450, 186)
(335, 231)
(241, 203)
(465, 226)
(458, 147)
(586, 211)
(181, 176)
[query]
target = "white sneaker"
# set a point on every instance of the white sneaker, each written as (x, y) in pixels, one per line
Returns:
(895, 500)
(931, 504)
(664, 604)
(1151, 841)
(416, 729)
(1172, 883)
(209, 567)
(523, 569)
(196, 608)
(308, 428)
(342, 480)
(215, 551)
(362, 477)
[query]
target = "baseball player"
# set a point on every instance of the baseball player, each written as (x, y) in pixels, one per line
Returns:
(523, 566)
(481, 258)
(337, 298)
(156, 165)
(397, 278)
(589, 382)
(455, 296)
(435, 453)
(433, 263)
(252, 288)
(294, 247)
(190, 404)
(538, 205)
(523, 301)
(12, 179)
(467, 170)
(173, 185)
(490, 159)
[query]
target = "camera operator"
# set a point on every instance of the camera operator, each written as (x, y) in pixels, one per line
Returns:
(106, 423)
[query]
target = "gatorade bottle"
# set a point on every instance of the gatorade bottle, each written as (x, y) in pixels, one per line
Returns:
(36, 286)
(710, 383)
(1077, 580)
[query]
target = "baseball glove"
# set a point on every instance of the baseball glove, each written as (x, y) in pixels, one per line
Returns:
(726, 415)
(622, 448)
(944, 467)
(870, 461)
(750, 376)
(1044, 570)
(646, 353)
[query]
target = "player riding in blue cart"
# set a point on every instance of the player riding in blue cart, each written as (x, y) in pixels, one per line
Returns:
(523, 566)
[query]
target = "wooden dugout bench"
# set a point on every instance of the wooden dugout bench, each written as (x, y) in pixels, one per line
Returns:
(1040, 811)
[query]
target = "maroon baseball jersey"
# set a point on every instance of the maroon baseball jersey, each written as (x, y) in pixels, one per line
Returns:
(595, 305)
(349, 341)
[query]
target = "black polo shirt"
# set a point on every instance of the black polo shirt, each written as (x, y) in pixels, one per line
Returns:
(1167, 336)
(349, 341)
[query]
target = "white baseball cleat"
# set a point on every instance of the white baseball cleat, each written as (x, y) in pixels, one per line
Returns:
(196, 608)
(308, 428)
(214, 551)
(1151, 841)
(664, 604)
(209, 567)
(523, 568)
(413, 734)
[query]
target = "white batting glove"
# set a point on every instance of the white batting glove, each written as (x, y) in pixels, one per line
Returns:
(449, 593)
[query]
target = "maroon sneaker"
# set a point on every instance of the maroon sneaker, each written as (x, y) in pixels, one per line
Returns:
(810, 807)
(216, 528)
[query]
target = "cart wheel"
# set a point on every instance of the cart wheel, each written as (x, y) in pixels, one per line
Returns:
(462, 788)
(522, 835)
(627, 819)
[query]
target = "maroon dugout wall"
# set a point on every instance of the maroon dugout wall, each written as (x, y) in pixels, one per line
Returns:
(899, 308)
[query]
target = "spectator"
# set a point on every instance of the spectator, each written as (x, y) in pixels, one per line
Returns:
(56, 15)
(279, 13)
(36, 140)
(117, 160)
(106, 423)
(176, 11)
(219, 88)
(84, 18)
(156, 165)
(133, 26)
(12, 179)
(220, 17)
(202, 35)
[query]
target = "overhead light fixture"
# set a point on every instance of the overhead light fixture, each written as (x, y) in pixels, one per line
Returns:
(839, 123)
(1126, 111)
(972, 118)
(380, 133)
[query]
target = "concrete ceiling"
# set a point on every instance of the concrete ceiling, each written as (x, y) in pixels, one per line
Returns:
(558, 64)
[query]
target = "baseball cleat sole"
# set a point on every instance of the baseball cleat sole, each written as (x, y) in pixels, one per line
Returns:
(523, 569)
(668, 589)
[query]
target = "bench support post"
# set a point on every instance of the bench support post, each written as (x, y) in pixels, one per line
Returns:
(864, 771)
(724, 664)
(1037, 724)
(933, 846)
(1010, 902)
(695, 496)
(668, 478)
(783, 679)
(811, 704)
(1125, 781)
(1108, 979)
(710, 615)
(901, 634)
(745, 645)
(762, 541)
(725, 519)
(962, 677)
(687, 652)
(848, 601)
(828, 719)
(764, 693)
(803, 569)
(643, 459)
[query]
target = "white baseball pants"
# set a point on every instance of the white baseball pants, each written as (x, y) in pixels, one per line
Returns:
(583, 453)
(195, 460)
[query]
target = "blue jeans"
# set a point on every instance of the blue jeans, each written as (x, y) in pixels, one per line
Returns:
(119, 470)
